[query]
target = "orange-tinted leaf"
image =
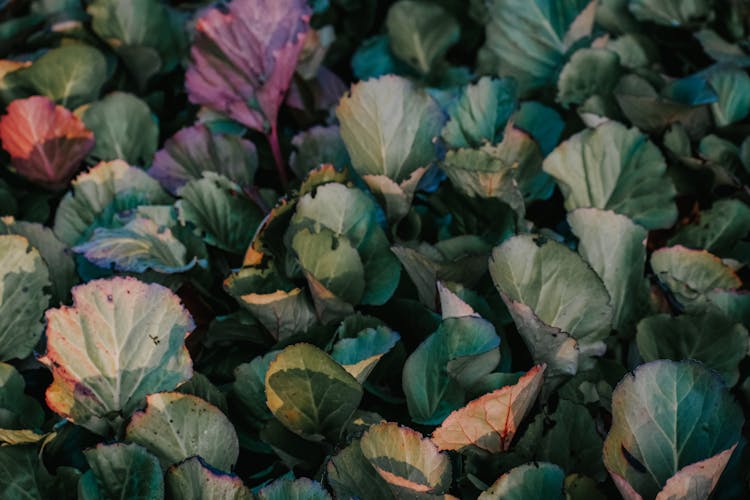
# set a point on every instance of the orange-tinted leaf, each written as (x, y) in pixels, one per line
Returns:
(491, 421)
(46, 142)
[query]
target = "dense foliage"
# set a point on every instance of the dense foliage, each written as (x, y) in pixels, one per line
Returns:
(371, 249)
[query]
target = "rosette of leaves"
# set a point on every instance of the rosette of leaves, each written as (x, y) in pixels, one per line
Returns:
(46, 142)
(121, 340)
(560, 306)
(341, 250)
(693, 424)
(389, 126)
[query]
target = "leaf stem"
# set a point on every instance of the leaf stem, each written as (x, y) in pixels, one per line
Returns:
(273, 141)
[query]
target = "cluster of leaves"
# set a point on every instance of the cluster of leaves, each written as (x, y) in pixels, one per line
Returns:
(380, 250)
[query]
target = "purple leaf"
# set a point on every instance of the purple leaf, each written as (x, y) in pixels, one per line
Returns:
(244, 57)
(194, 150)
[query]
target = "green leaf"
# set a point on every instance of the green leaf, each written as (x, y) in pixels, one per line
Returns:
(672, 12)
(351, 475)
(194, 478)
(71, 75)
(490, 422)
(732, 85)
(17, 410)
(282, 308)
(560, 306)
(249, 388)
(480, 113)
(310, 393)
(360, 354)
(566, 435)
(22, 474)
(589, 72)
(350, 213)
(99, 190)
(716, 229)
(24, 279)
(315, 147)
(709, 337)
(121, 471)
(538, 480)
(615, 168)
(388, 126)
(146, 34)
(420, 33)
(692, 275)
(225, 217)
(431, 392)
(56, 254)
(615, 248)
(529, 40)
(124, 129)
(297, 489)
(177, 426)
(140, 245)
(333, 262)
(409, 463)
(667, 416)
(121, 340)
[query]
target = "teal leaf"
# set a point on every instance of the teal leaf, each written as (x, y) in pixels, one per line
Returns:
(121, 471)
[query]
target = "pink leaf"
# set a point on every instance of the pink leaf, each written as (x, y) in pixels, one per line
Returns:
(46, 142)
(244, 57)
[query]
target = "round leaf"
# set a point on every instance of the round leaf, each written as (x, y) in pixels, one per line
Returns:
(194, 478)
(121, 471)
(121, 340)
(542, 480)
(177, 426)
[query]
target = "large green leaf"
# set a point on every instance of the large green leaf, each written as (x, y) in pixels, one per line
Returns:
(590, 72)
(17, 410)
(538, 480)
(194, 478)
(24, 279)
(528, 40)
(409, 463)
(121, 471)
(431, 392)
(615, 248)
(667, 416)
(351, 475)
(310, 393)
(350, 213)
(709, 337)
(177, 426)
(121, 340)
(420, 33)
(22, 474)
(225, 217)
(55, 253)
(388, 126)
(480, 113)
(97, 191)
(615, 168)
(71, 74)
(124, 129)
(560, 306)
(732, 85)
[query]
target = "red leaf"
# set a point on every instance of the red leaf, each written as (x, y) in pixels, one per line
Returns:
(46, 142)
